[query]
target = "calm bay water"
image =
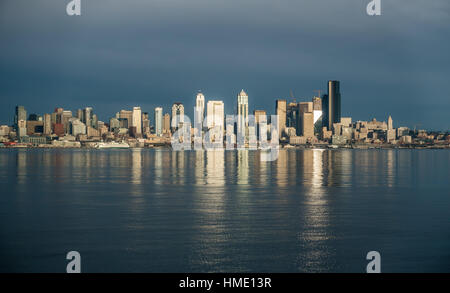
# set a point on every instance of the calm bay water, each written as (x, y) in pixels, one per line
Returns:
(143, 210)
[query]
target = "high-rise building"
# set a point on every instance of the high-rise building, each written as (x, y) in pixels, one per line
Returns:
(145, 123)
(94, 121)
(35, 127)
(65, 116)
(22, 128)
(177, 115)
(126, 118)
(304, 108)
(390, 133)
(158, 121)
(317, 111)
(114, 124)
(215, 114)
(21, 115)
(242, 112)
(166, 124)
(58, 115)
(292, 115)
(390, 123)
(280, 109)
(76, 127)
(317, 104)
(200, 108)
(87, 116)
(215, 120)
(331, 105)
(307, 127)
(47, 124)
(260, 117)
(137, 120)
(80, 114)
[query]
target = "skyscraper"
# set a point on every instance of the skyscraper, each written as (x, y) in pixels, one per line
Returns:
(331, 105)
(177, 115)
(126, 117)
(94, 122)
(242, 111)
(21, 114)
(80, 114)
(166, 123)
(307, 129)
(215, 120)
(87, 116)
(200, 108)
(215, 114)
(145, 123)
(390, 133)
(260, 117)
(280, 107)
(137, 120)
(317, 104)
(158, 121)
(292, 114)
(47, 124)
(65, 116)
(317, 111)
(303, 108)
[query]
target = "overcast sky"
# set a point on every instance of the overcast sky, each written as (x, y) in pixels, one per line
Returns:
(120, 54)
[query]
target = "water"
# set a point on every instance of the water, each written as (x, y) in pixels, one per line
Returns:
(143, 210)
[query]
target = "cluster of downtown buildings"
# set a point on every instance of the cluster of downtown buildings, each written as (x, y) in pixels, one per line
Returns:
(314, 122)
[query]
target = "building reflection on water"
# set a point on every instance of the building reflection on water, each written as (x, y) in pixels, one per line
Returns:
(314, 240)
(220, 210)
(136, 166)
(391, 168)
(242, 168)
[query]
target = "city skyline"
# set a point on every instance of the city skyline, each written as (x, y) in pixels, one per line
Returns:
(167, 108)
(230, 107)
(318, 122)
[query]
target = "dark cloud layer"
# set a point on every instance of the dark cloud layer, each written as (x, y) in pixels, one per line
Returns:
(119, 54)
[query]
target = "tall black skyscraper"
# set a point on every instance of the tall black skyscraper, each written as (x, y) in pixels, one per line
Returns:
(21, 114)
(331, 105)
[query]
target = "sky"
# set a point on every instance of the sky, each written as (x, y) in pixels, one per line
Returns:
(121, 54)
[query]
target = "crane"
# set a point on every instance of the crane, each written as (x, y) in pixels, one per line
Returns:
(318, 91)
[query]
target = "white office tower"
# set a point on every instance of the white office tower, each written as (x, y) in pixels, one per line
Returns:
(158, 121)
(200, 108)
(215, 118)
(177, 115)
(87, 116)
(242, 111)
(215, 114)
(137, 119)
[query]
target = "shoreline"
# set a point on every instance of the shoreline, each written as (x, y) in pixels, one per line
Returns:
(285, 147)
